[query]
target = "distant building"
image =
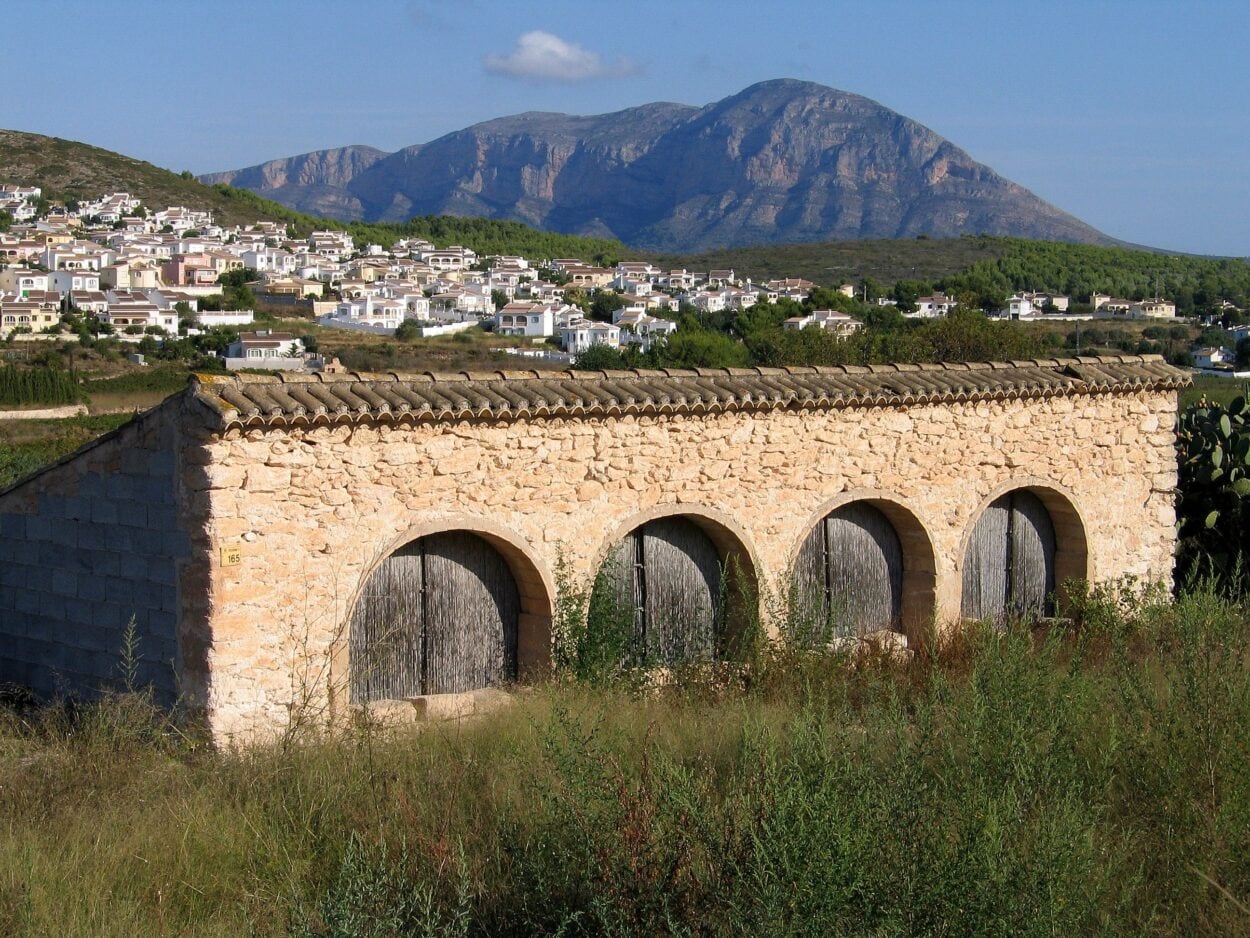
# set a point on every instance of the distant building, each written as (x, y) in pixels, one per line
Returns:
(932, 307)
(532, 320)
(1213, 357)
(580, 335)
(266, 349)
(828, 320)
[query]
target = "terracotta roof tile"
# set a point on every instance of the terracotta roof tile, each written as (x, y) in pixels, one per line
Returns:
(298, 399)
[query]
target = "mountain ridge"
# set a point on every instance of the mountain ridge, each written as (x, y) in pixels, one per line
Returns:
(781, 161)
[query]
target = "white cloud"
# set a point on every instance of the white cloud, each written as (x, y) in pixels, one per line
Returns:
(541, 56)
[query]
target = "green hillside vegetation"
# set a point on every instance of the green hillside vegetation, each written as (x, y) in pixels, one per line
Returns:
(832, 263)
(989, 268)
(1194, 283)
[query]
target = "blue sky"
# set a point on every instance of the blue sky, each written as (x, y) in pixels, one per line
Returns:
(1134, 115)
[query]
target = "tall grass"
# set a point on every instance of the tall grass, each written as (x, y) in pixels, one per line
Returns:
(37, 386)
(1086, 779)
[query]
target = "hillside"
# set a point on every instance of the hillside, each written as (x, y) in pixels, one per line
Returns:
(832, 263)
(68, 169)
(780, 162)
(989, 266)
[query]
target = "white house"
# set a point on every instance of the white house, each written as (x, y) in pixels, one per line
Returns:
(932, 307)
(23, 280)
(451, 258)
(580, 335)
(1213, 357)
(264, 348)
(134, 311)
(1153, 308)
(643, 330)
(840, 324)
(265, 259)
(534, 320)
(67, 280)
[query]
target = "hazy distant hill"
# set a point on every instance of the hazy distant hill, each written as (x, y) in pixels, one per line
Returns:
(782, 161)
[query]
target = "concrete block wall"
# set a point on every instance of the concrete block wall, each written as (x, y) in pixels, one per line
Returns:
(85, 547)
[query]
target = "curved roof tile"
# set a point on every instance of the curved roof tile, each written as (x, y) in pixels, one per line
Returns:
(261, 400)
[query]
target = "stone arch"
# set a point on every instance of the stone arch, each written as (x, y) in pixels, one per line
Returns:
(1069, 555)
(738, 608)
(919, 580)
(534, 584)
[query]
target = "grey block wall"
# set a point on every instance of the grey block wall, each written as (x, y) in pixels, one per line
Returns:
(85, 547)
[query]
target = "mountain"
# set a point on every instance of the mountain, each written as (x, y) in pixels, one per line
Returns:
(782, 161)
(67, 169)
(311, 182)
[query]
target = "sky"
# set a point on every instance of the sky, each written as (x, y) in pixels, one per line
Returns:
(1133, 115)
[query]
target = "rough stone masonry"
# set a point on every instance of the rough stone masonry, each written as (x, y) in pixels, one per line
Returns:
(236, 523)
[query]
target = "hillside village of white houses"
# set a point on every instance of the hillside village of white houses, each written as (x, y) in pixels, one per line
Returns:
(144, 272)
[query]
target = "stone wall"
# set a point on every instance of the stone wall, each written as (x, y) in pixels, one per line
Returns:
(296, 519)
(85, 547)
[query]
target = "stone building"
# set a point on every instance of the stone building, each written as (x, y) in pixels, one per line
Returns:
(259, 531)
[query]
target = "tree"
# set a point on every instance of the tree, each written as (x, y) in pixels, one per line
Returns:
(408, 331)
(604, 303)
(693, 347)
(599, 357)
(240, 298)
(239, 277)
(1243, 354)
(499, 298)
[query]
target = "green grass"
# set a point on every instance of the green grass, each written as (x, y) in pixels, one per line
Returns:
(162, 379)
(28, 445)
(1218, 390)
(1094, 780)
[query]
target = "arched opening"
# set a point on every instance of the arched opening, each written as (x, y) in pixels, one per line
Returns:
(438, 616)
(675, 589)
(1025, 544)
(849, 574)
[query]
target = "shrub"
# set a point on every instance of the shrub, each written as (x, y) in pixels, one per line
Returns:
(1213, 443)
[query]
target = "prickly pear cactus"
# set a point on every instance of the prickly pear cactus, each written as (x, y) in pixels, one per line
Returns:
(1213, 445)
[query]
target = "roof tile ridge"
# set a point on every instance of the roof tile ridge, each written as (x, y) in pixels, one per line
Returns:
(242, 378)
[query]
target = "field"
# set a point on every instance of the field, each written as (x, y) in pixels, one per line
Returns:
(1090, 780)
